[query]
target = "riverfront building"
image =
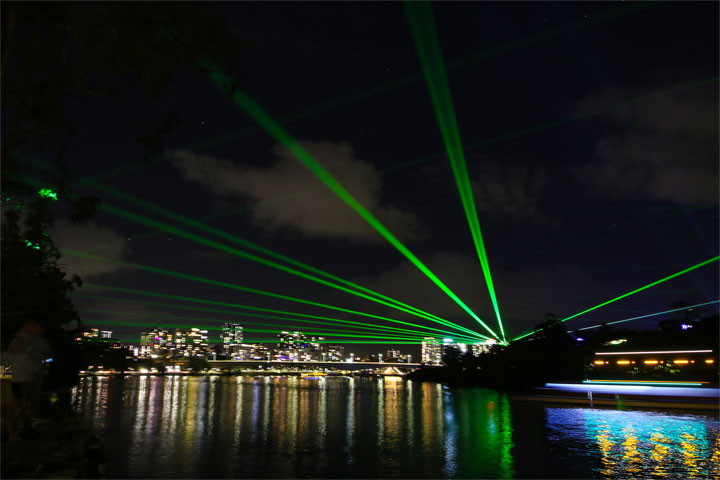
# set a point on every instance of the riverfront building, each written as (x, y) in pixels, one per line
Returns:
(431, 351)
(231, 337)
(183, 342)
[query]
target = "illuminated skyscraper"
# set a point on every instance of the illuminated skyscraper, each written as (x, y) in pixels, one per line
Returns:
(291, 346)
(232, 337)
(480, 348)
(155, 341)
(197, 342)
(431, 351)
(334, 353)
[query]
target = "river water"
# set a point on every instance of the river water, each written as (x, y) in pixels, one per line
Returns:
(338, 427)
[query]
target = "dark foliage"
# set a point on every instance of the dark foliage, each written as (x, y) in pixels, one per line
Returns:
(57, 58)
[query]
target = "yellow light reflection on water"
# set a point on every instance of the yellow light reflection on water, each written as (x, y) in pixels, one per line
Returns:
(605, 445)
(631, 456)
(393, 412)
(658, 453)
(690, 452)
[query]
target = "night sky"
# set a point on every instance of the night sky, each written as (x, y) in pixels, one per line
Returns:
(592, 153)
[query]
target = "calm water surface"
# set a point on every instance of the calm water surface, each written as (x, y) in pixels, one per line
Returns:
(290, 427)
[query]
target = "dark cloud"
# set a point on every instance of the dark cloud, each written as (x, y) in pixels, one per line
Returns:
(211, 256)
(288, 195)
(102, 241)
(508, 189)
(665, 148)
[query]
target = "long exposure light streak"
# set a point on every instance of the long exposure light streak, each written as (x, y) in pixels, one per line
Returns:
(316, 319)
(218, 283)
(426, 39)
(226, 236)
(277, 131)
(648, 315)
(665, 279)
(653, 352)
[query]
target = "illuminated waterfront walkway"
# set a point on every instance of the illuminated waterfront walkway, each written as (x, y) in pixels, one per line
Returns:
(338, 365)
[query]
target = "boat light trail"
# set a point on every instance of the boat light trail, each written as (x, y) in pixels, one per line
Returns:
(277, 131)
(649, 315)
(665, 279)
(426, 39)
(218, 283)
(649, 382)
(659, 352)
(637, 389)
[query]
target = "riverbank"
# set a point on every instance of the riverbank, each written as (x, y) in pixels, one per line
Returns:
(54, 449)
(56, 444)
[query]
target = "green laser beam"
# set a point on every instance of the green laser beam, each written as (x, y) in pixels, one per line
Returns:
(352, 333)
(665, 279)
(648, 315)
(276, 130)
(144, 220)
(540, 127)
(425, 34)
(218, 246)
(224, 248)
(508, 136)
(208, 281)
(407, 80)
(318, 319)
(226, 236)
(98, 321)
(130, 340)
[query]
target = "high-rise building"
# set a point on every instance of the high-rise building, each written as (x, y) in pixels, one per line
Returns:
(392, 355)
(431, 351)
(232, 338)
(449, 343)
(155, 341)
(291, 346)
(190, 342)
(334, 353)
(396, 356)
(197, 342)
(480, 348)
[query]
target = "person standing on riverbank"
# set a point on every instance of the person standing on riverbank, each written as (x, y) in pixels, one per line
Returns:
(28, 354)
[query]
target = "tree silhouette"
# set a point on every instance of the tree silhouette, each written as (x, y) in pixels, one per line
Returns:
(58, 58)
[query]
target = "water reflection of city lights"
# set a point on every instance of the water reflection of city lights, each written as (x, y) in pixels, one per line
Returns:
(642, 444)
